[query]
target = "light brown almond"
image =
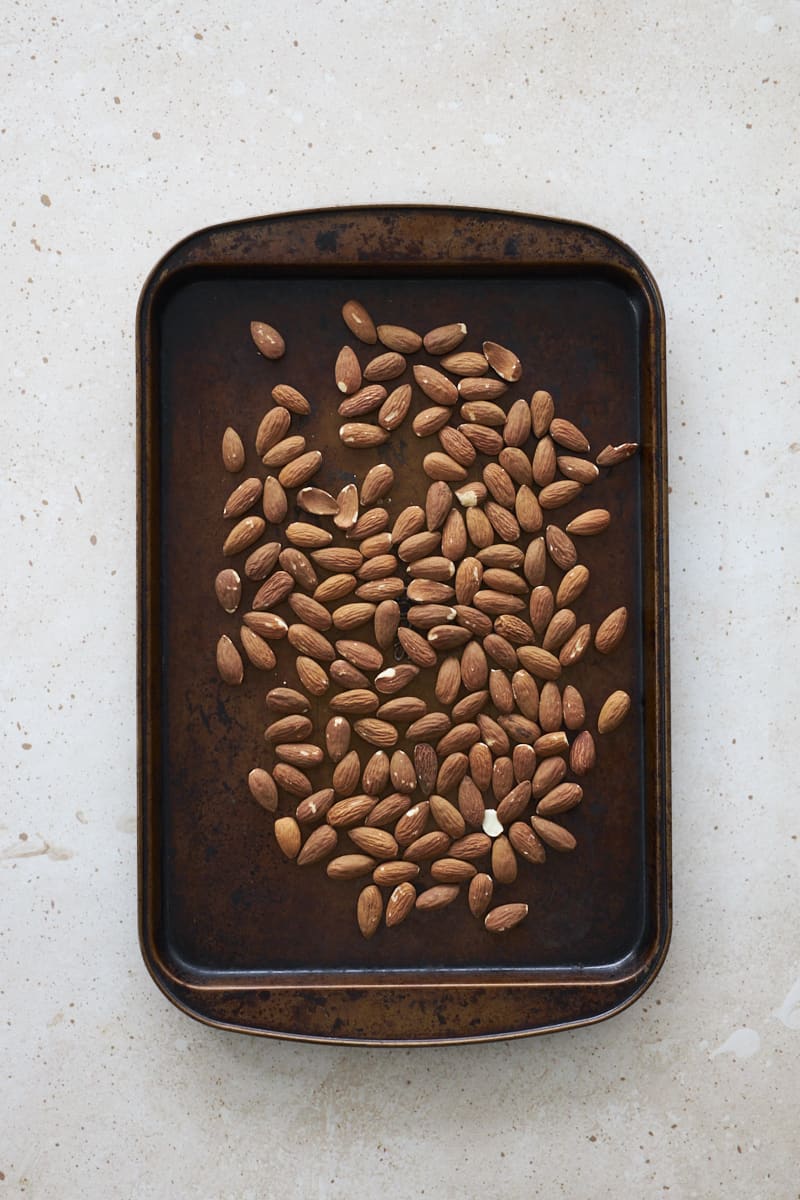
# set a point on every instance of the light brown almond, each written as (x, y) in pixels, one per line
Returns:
(228, 589)
(300, 470)
(347, 502)
(318, 502)
(541, 663)
(376, 842)
(432, 725)
(347, 371)
(394, 409)
(559, 630)
(267, 625)
(268, 341)
(350, 866)
(550, 708)
(547, 775)
(457, 446)
(436, 386)
(582, 754)
(390, 874)
(560, 799)
(500, 484)
(430, 420)
(288, 397)
(426, 616)
(287, 700)
(312, 676)
(576, 646)
(439, 896)
(273, 427)
(288, 836)
(500, 691)
(346, 774)
(573, 710)
(375, 544)
(590, 523)
(284, 452)
(311, 643)
(347, 813)
(467, 709)
(232, 451)
(504, 860)
(483, 437)
(503, 361)
(412, 823)
(308, 536)
(375, 778)
(416, 647)
(451, 771)
(229, 662)
(360, 435)
(517, 463)
(501, 651)
(568, 435)
(526, 694)
(242, 498)
(481, 411)
(504, 524)
(360, 654)
(403, 708)
(527, 844)
(400, 903)
(611, 630)
(292, 728)
(386, 621)
(543, 464)
(359, 322)
(466, 363)
(471, 847)
(356, 700)
(262, 788)
(243, 534)
(474, 668)
(258, 651)
(479, 528)
(409, 522)
(371, 522)
(378, 590)
(369, 910)
(438, 504)
(579, 469)
(337, 738)
(614, 711)
(470, 802)
(430, 845)
(527, 510)
(459, 738)
(553, 835)
(550, 744)
(505, 917)
(440, 466)
(447, 816)
(380, 566)
(318, 845)
(609, 456)
(572, 585)
(481, 390)
(401, 771)
(338, 558)
(429, 591)
(397, 337)
(385, 366)
(454, 536)
(542, 412)
(560, 547)
(296, 563)
(376, 732)
(419, 545)
(452, 870)
(354, 615)
(444, 338)
(480, 893)
(535, 562)
(335, 587)
(559, 493)
(274, 501)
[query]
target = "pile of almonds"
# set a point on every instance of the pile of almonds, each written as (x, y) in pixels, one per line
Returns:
(423, 804)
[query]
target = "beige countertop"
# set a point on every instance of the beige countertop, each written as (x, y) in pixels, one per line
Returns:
(673, 126)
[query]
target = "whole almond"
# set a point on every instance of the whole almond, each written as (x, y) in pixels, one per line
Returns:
(426, 766)
(527, 844)
(359, 322)
(432, 725)
(550, 708)
(376, 842)
(541, 607)
(498, 555)
(468, 580)
(288, 836)
(591, 522)
(436, 386)
(452, 870)
(353, 615)
(500, 484)
(337, 738)
(351, 811)
(292, 728)
(258, 651)
(273, 427)
(232, 451)
(448, 637)
(380, 566)
(582, 755)
(480, 894)
(400, 904)
(513, 629)
(312, 676)
(243, 534)
(394, 409)
(377, 590)
(467, 709)
(360, 435)
(402, 708)
(390, 874)
(421, 653)
(535, 562)
(501, 579)
(375, 544)
(479, 528)
(495, 603)
(409, 522)
(576, 646)
(300, 470)
(346, 774)
(547, 775)
(504, 860)
(474, 669)
(444, 338)
(369, 910)
(397, 337)
(267, 625)
(360, 654)
(559, 800)
(376, 732)
(543, 464)
(386, 621)
(528, 511)
(553, 835)
(430, 845)
(573, 710)
(411, 824)
(577, 468)
(457, 739)
(501, 651)
(437, 897)
(514, 803)
(480, 765)
(274, 501)
(229, 662)
(517, 428)
(478, 411)
(440, 466)
(484, 438)
(541, 663)
(228, 589)
(560, 547)
(451, 771)
(429, 591)
(350, 866)
(373, 521)
(289, 397)
(385, 812)
(287, 700)
(375, 777)
(448, 680)
(559, 630)
(505, 917)
(426, 616)
(568, 435)
(457, 446)
(447, 817)
(519, 728)
(354, 701)
(401, 771)
(611, 630)
(609, 456)
(526, 694)
(517, 463)
(318, 845)
(335, 587)
(438, 503)
(542, 412)
(504, 524)
(550, 744)
(263, 789)
(267, 340)
(572, 585)
(242, 498)
(430, 420)
(466, 362)
(614, 711)
(471, 847)
(284, 452)
(503, 361)
(317, 502)
(471, 389)
(559, 493)
(385, 366)
(500, 691)
(347, 371)
(337, 558)
(419, 545)
(310, 642)
(470, 804)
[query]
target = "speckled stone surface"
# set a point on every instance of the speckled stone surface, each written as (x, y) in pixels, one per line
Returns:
(674, 126)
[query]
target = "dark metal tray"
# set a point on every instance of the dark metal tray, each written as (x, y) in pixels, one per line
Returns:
(232, 933)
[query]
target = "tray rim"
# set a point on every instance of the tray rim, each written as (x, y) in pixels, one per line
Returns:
(180, 991)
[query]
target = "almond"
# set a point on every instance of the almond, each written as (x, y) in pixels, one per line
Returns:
(335, 587)
(480, 894)
(430, 845)
(466, 362)
(559, 630)
(579, 469)
(352, 616)
(289, 397)
(500, 691)
(614, 711)
(448, 637)
(547, 775)
(359, 322)
(541, 663)
(494, 603)
(288, 836)
(376, 842)
(457, 739)
(550, 744)
(373, 521)
(364, 401)
(273, 427)
(356, 700)
(386, 621)
(419, 545)
(381, 589)
(318, 845)
(440, 466)
(582, 754)
(559, 493)
(268, 341)
(426, 765)
(360, 654)
(560, 799)
(519, 728)
(259, 652)
(312, 676)
(498, 555)
(351, 811)
(560, 547)
(609, 456)
(433, 567)
(575, 647)
(513, 629)
(436, 386)
(338, 558)
(243, 534)
(412, 823)
(574, 712)
(437, 897)
(501, 579)
(389, 874)
(229, 662)
(300, 470)
(471, 847)
(514, 803)
(347, 504)
(454, 536)
(286, 700)
(317, 502)
(504, 524)
(228, 589)
(403, 708)
(482, 437)
(232, 451)
(432, 725)
(385, 366)
(444, 338)
(452, 870)
(479, 528)
(350, 866)
(503, 361)
(550, 708)
(591, 522)
(429, 591)
(376, 544)
(267, 625)
(292, 728)
(416, 647)
(500, 484)
(543, 465)
(527, 844)
(481, 389)
(347, 371)
(400, 903)
(451, 771)
(274, 501)
(397, 337)
(535, 562)
(572, 585)
(541, 606)
(457, 446)
(284, 452)
(375, 778)
(380, 566)
(474, 669)
(438, 503)
(296, 563)
(447, 817)
(611, 630)
(359, 435)
(345, 675)
(516, 462)
(262, 788)
(504, 860)
(469, 706)
(542, 412)
(505, 917)
(568, 435)
(430, 420)
(470, 803)
(448, 680)
(526, 694)
(394, 409)
(376, 732)
(369, 910)
(553, 835)
(426, 616)
(478, 411)
(346, 774)
(337, 738)
(501, 651)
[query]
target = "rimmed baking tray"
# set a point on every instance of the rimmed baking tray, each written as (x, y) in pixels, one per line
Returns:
(231, 933)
